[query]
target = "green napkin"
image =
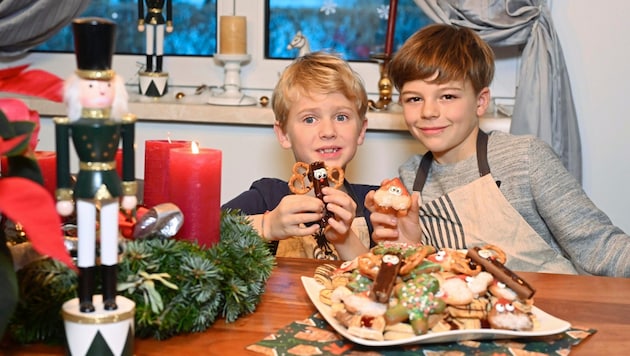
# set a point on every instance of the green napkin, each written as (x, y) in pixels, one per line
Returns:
(314, 336)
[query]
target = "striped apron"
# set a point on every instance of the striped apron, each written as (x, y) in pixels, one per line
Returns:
(478, 214)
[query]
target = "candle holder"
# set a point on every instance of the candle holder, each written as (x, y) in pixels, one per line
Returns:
(232, 95)
(384, 85)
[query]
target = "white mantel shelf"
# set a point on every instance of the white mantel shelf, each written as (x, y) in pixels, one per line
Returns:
(193, 109)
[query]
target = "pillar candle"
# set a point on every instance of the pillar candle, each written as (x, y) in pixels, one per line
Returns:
(47, 161)
(119, 164)
(4, 167)
(195, 187)
(233, 35)
(391, 27)
(156, 157)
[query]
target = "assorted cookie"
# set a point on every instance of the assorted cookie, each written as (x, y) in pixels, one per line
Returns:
(392, 196)
(399, 291)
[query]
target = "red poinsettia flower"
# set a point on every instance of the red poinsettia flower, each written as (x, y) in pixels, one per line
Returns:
(32, 82)
(24, 200)
(16, 110)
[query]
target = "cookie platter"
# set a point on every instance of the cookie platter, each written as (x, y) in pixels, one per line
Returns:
(547, 325)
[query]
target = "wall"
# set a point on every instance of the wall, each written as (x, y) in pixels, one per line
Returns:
(246, 138)
(594, 38)
(252, 152)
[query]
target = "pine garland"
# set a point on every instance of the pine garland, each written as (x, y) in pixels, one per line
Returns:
(178, 287)
(44, 285)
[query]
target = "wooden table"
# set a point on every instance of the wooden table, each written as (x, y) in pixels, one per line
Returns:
(601, 303)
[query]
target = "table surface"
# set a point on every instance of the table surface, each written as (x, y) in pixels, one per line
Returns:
(600, 303)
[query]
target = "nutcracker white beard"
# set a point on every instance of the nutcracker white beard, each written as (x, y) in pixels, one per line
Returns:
(72, 97)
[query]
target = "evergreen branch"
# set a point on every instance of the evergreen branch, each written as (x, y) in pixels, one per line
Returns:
(196, 286)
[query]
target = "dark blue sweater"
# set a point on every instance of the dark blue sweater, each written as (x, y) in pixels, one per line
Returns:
(266, 193)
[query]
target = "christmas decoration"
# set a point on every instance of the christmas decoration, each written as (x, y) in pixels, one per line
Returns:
(178, 286)
(31, 82)
(23, 200)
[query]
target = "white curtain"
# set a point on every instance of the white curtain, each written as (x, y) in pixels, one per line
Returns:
(24, 24)
(544, 104)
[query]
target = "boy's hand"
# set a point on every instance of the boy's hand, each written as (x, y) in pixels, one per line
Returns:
(292, 215)
(344, 209)
(389, 227)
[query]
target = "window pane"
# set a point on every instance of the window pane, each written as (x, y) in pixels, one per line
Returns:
(355, 29)
(194, 28)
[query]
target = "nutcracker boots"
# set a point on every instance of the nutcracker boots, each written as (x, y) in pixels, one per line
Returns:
(109, 275)
(149, 67)
(158, 64)
(86, 289)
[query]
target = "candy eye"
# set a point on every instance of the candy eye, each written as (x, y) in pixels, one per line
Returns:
(500, 308)
(509, 307)
(320, 173)
(395, 190)
(439, 256)
(393, 259)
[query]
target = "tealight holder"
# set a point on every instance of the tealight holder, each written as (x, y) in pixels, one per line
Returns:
(232, 95)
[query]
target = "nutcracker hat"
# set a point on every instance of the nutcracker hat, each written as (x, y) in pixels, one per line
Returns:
(94, 43)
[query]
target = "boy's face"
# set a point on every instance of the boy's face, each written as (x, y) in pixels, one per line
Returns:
(444, 117)
(322, 127)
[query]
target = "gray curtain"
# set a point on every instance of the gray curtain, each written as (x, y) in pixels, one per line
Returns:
(25, 24)
(544, 104)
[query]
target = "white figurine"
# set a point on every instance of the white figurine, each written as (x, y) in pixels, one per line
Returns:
(300, 42)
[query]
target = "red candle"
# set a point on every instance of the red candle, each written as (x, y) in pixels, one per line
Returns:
(47, 161)
(195, 187)
(4, 167)
(391, 26)
(156, 157)
(119, 157)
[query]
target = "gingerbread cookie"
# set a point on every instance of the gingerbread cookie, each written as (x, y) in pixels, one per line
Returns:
(315, 176)
(392, 195)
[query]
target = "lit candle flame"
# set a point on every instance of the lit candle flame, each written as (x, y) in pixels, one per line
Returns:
(194, 146)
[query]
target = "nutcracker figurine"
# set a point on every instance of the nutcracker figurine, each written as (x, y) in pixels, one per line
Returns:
(154, 21)
(97, 120)
(153, 79)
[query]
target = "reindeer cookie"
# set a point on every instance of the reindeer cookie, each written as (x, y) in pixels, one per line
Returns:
(315, 176)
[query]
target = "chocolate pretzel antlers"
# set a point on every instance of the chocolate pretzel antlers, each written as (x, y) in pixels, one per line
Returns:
(500, 272)
(315, 176)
